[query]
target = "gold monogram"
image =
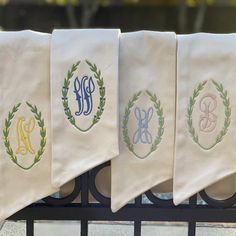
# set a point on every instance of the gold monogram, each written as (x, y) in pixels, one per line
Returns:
(23, 131)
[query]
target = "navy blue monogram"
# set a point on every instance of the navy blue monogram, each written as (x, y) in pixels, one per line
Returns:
(83, 91)
(83, 88)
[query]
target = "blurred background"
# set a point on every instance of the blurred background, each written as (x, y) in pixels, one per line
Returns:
(181, 16)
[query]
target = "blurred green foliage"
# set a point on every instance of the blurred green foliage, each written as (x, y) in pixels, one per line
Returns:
(63, 2)
(3, 2)
(190, 3)
(193, 3)
(233, 2)
(75, 2)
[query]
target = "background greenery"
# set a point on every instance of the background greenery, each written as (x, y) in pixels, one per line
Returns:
(181, 16)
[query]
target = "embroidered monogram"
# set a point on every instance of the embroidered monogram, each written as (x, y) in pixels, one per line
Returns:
(142, 133)
(208, 105)
(23, 131)
(83, 90)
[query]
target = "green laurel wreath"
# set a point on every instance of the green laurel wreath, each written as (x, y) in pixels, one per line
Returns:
(6, 130)
(102, 91)
(161, 121)
(225, 99)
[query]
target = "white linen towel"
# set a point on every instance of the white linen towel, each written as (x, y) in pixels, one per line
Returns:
(25, 147)
(147, 114)
(206, 100)
(84, 86)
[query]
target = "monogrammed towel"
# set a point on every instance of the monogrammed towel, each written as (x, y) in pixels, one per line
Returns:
(147, 114)
(206, 124)
(84, 86)
(25, 147)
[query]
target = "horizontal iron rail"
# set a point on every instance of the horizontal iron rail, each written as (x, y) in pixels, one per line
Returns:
(159, 209)
(96, 212)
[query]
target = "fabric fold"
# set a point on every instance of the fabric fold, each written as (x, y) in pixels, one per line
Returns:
(84, 88)
(25, 153)
(205, 111)
(147, 114)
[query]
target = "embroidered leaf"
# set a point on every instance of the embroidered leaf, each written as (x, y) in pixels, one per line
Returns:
(38, 117)
(102, 92)
(161, 120)
(224, 96)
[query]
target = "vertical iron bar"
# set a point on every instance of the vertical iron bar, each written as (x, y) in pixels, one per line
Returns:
(192, 224)
(29, 228)
(137, 223)
(84, 202)
(191, 228)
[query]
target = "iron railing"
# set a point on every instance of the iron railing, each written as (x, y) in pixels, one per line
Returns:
(158, 210)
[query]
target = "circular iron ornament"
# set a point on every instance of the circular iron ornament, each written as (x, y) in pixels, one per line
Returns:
(92, 184)
(218, 203)
(68, 199)
(158, 201)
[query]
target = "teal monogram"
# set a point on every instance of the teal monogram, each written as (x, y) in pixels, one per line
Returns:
(142, 133)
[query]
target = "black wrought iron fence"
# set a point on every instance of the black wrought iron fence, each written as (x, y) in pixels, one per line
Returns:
(158, 210)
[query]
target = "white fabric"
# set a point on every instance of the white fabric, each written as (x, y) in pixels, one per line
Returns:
(146, 62)
(24, 73)
(205, 137)
(80, 146)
